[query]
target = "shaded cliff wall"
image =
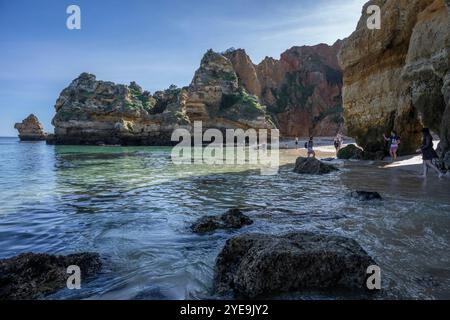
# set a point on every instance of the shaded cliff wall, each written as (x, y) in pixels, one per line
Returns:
(396, 78)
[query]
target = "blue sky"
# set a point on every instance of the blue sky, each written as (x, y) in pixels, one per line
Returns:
(153, 42)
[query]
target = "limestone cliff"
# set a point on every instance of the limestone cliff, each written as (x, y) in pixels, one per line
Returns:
(99, 112)
(89, 111)
(216, 98)
(398, 77)
(31, 129)
(302, 90)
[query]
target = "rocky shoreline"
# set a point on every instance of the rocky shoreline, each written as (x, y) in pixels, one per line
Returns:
(34, 276)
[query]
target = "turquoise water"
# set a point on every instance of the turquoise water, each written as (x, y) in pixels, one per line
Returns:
(134, 207)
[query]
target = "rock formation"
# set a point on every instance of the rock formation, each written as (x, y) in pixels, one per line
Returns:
(302, 90)
(232, 219)
(350, 152)
(33, 276)
(398, 77)
(259, 265)
(31, 129)
(99, 112)
(312, 166)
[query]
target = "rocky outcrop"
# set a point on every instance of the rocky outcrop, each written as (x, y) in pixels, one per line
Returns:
(302, 90)
(33, 276)
(365, 195)
(216, 98)
(245, 70)
(398, 77)
(232, 219)
(312, 166)
(31, 129)
(300, 94)
(350, 152)
(255, 265)
(98, 112)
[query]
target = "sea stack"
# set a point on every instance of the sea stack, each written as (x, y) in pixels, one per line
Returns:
(90, 111)
(31, 129)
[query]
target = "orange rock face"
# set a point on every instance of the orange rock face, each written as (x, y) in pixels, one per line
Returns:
(302, 90)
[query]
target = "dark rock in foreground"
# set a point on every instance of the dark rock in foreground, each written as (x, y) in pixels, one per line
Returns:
(254, 265)
(232, 219)
(312, 166)
(365, 195)
(33, 276)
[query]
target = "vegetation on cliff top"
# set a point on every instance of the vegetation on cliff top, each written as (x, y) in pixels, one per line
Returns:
(241, 105)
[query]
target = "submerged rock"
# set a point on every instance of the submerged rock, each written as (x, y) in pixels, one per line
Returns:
(33, 276)
(232, 219)
(312, 166)
(365, 195)
(253, 265)
(31, 129)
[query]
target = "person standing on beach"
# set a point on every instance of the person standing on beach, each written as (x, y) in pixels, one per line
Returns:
(296, 143)
(338, 142)
(428, 154)
(394, 141)
(310, 147)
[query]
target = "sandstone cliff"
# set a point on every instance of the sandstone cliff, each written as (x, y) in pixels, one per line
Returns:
(99, 112)
(31, 129)
(398, 77)
(302, 90)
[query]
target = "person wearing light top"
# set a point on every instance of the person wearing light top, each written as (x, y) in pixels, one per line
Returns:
(394, 141)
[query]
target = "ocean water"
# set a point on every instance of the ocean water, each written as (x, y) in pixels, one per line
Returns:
(134, 207)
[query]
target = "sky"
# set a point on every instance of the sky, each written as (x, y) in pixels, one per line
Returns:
(153, 42)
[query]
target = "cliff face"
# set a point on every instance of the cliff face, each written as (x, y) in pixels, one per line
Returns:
(31, 129)
(302, 90)
(216, 98)
(99, 112)
(398, 77)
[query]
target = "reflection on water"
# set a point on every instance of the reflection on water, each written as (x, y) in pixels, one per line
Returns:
(134, 207)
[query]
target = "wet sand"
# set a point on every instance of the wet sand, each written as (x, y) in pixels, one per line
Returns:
(324, 148)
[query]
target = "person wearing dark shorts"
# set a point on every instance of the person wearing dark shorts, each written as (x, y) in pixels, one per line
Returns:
(428, 154)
